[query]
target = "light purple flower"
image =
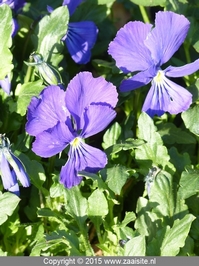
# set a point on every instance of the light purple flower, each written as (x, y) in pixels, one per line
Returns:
(60, 118)
(80, 37)
(11, 168)
(140, 47)
(5, 84)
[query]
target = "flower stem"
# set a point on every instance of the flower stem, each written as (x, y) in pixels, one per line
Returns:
(144, 14)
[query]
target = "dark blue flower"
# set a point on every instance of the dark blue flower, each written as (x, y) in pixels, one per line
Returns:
(13, 4)
(60, 118)
(80, 37)
(11, 168)
(140, 47)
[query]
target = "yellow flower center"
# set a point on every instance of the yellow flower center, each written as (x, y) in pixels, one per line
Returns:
(159, 77)
(75, 143)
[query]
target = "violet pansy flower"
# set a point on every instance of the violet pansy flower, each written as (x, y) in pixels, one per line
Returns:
(11, 168)
(80, 37)
(59, 118)
(140, 47)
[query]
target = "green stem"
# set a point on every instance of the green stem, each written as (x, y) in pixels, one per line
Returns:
(88, 248)
(28, 74)
(144, 14)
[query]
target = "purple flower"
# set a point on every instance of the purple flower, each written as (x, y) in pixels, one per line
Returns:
(80, 37)
(13, 4)
(11, 168)
(142, 48)
(60, 118)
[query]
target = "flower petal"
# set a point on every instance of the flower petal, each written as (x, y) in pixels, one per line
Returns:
(82, 158)
(135, 82)
(181, 98)
(44, 112)
(97, 118)
(53, 141)
(182, 71)
(169, 33)
(15, 189)
(20, 172)
(170, 98)
(6, 175)
(84, 90)
(128, 47)
(72, 5)
(80, 39)
(91, 159)
(5, 85)
(68, 175)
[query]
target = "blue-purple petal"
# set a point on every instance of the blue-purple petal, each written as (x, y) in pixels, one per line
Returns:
(68, 175)
(170, 98)
(182, 71)
(138, 80)
(84, 90)
(45, 111)
(82, 158)
(97, 118)
(80, 39)
(6, 174)
(15, 27)
(15, 189)
(92, 159)
(5, 85)
(167, 36)
(128, 47)
(21, 174)
(53, 141)
(72, 5)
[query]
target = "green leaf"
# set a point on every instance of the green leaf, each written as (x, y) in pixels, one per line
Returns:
(128, 144)
(111, 135)
(25, 92)
(6, 40)
(8, 203)
(149, 3)
(97, 208)
(76, 205)
(135, 246)
(97, 204)
(162, 193)
(180, 160)
(146, 221)
(171, 134)
(153, 152)
(175, 237)
(69, 238)
(129, 217)
(189, 184)
(48, 35)
(90, 10)
(116, 178)
(191, 119)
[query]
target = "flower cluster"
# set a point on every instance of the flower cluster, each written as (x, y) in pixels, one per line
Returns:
(59, 118)
(140, 47)
(11, 168)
